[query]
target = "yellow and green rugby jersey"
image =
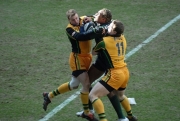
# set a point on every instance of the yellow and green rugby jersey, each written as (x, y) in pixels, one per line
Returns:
(78, 45)
(112, 51)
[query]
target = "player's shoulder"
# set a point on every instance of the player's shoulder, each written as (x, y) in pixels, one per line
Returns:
(122, 37)
(69, 26)
(89, 25)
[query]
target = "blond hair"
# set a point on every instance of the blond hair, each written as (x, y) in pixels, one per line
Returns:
(70, 13)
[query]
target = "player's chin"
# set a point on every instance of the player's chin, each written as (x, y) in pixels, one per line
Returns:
(75, 24)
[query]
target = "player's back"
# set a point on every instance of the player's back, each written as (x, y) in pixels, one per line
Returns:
(116, 49)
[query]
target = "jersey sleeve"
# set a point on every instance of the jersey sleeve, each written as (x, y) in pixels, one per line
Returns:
(100, 46)
(83, 36)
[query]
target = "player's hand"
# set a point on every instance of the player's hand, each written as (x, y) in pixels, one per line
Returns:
(87, 19)
(99, 30)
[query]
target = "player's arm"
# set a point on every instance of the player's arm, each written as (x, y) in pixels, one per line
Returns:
(97, 40)
(87, 19)
(99, 46)
(86, 35)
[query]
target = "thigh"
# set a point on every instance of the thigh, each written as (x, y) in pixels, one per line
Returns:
(83, 78)
(94, 73)
(98, 91)
(99, 63)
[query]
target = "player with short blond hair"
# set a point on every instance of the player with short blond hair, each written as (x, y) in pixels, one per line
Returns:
(79, 60)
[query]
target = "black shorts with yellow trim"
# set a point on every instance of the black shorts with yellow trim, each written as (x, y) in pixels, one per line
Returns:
(108, 87)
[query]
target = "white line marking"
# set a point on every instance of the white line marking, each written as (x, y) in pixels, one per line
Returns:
(152, 36)
(72, 97)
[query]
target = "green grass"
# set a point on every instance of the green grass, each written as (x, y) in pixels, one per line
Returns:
(34, 52)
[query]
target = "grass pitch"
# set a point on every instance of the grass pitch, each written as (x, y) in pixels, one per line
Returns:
(34, 52)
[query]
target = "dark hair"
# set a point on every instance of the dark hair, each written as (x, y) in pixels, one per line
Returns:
(106, 13)
(119, 27)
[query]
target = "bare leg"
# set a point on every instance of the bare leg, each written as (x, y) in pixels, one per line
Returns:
(84, 80)
(94, 74)
(98, 91)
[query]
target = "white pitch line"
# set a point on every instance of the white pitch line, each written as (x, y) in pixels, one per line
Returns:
(152, 36)
(133, 51)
